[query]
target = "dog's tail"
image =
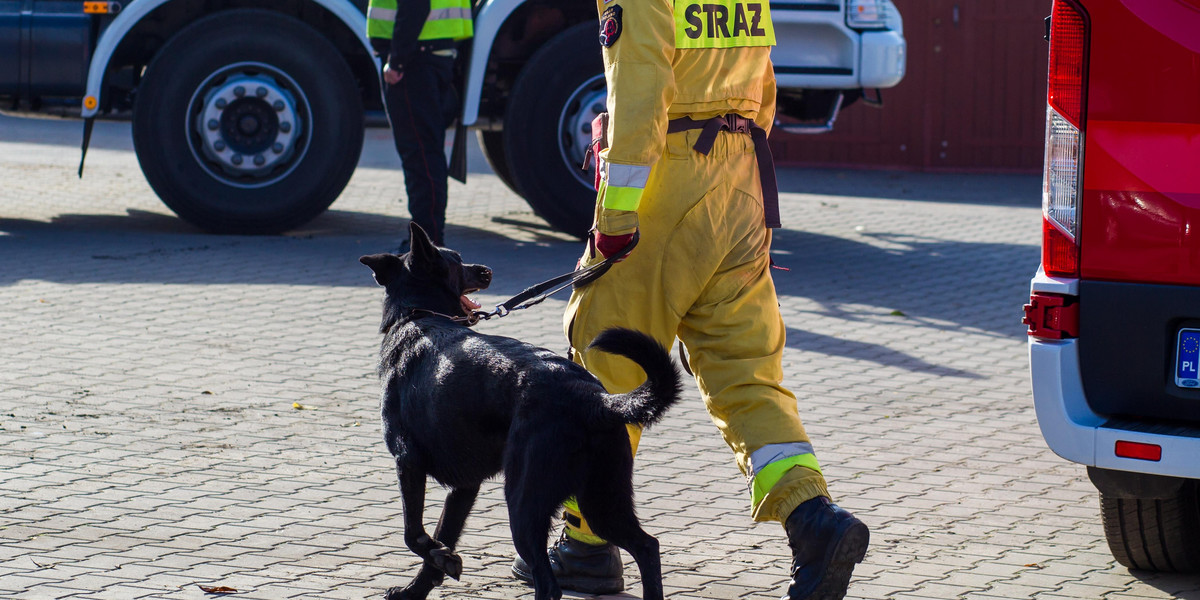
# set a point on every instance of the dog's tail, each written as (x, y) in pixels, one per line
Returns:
(650, 401)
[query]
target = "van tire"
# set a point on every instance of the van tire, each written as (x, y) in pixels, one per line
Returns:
(1153, 534)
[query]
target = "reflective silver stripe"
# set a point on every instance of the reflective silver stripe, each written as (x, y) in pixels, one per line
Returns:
(630, 176)
(773, 452)
(446, 13)
(381, 14)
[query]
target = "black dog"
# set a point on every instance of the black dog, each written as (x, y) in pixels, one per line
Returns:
(460, 406)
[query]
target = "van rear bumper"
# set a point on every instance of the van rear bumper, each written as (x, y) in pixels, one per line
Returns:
(1077, 433)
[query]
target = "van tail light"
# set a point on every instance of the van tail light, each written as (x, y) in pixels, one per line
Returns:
(1066, 103)
(1068, 60)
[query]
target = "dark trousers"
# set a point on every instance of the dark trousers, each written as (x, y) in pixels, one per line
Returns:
(420, 108)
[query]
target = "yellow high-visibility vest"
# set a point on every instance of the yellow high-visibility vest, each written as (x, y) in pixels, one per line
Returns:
(448, 20)
(723, 23)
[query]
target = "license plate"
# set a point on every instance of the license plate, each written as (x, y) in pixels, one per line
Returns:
(1187, 359)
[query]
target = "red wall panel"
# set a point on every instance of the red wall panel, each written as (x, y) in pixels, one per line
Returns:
(973, 97)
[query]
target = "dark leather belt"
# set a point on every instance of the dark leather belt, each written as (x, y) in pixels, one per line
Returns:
(440, 44)
(762, 151)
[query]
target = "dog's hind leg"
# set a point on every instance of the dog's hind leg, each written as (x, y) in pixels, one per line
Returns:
(644, 549)
(531, 504)
(607, 500)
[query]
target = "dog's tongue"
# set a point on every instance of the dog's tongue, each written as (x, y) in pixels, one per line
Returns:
(468, 304)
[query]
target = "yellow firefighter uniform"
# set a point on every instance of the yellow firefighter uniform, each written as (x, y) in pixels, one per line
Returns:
(702, 268)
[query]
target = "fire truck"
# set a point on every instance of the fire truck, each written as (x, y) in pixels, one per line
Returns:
(1114, 313)
(248, 115)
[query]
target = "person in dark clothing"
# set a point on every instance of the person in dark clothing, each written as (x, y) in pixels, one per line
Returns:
(417, 41)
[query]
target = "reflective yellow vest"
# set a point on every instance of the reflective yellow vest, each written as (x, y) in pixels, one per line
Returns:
(723, 24)
(448, 20)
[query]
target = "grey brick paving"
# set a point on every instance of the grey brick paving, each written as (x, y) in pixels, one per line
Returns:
(149, 374)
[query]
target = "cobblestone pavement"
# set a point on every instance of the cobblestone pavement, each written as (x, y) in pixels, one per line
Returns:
(180, 409)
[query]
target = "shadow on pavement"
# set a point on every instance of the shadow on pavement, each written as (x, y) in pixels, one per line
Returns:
(876, 353)
(147, 247)
(1180, 586)
(944, 285)
(938, 285)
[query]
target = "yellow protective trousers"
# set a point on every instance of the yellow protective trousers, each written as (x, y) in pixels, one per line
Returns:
(701, 272)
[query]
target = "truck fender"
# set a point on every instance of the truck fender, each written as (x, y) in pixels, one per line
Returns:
(136, 11)
(487, 25)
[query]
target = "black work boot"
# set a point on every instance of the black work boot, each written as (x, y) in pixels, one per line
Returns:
(826, 542)
(580, 567)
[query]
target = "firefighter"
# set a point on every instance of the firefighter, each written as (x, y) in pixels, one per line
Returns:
(691, 95)
(418, 40)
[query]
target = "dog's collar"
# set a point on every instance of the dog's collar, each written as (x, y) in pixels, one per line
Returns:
(417, 313)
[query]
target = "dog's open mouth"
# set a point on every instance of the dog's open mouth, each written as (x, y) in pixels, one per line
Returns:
(469, 305)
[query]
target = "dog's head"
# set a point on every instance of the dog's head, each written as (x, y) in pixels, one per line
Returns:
(426, 277)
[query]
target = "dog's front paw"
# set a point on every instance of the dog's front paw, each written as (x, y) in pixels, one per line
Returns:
(447, 562)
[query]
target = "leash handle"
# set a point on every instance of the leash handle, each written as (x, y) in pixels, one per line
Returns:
(595, 271)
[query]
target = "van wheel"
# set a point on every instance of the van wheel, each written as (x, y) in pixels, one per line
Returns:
(552, 105)
(1155, 534)
(248, 121)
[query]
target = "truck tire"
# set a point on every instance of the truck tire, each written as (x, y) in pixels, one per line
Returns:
(492, 144)
(249, 122)
(1155, 534)
(548, 126)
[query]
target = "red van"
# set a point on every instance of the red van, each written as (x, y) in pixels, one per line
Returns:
(1114, 312)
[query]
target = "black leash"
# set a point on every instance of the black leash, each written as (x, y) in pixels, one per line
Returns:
(536, 293)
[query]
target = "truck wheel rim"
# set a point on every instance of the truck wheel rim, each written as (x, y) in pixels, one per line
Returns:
(247, 125)
(575, 126)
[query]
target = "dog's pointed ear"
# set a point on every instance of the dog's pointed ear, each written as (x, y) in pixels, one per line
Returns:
(384, 266)
(422, 248)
